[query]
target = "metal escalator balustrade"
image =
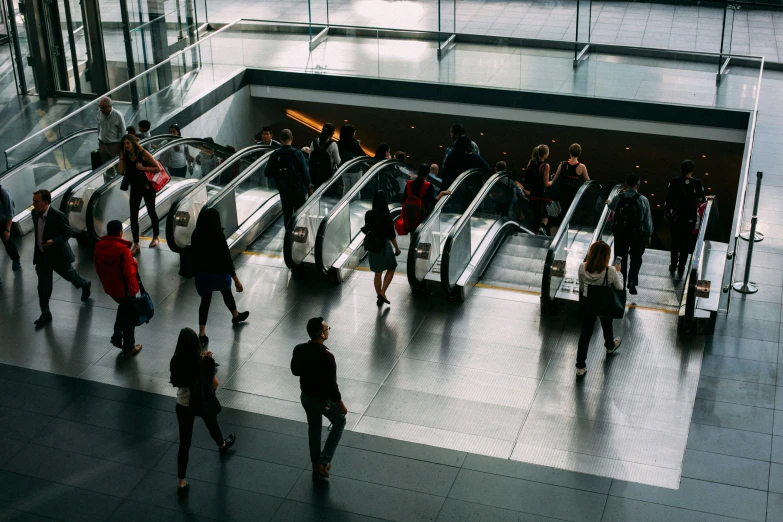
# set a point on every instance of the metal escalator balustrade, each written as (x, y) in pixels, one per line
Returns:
(700, 301)
(477, 235)
(186, 209)
(569, 246)
(109, 202)
(339, 241)
(301, 231)
(76, 198)
(426, 242)
(55, 168)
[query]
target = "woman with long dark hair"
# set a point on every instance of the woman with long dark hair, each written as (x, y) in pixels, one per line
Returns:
(594, 271)
(378, 222)
(214, 268)
(383, 152)
(188, 364)
(133, 165)
(350, 148)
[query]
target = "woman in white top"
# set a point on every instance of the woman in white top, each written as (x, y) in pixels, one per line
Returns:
(594, 271)
(188, 364)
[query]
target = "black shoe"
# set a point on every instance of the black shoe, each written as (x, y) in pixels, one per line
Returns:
(46, 317)
(672, 268)
(632, 289)
(681, 272)
(204, 340)
(86, 291)
(379, 301)
(230, 440)
(239, 318)
(17, 265)
(183, 490)
(117, 343)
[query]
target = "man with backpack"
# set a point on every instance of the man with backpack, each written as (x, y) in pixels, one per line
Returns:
(418, 202)
(324, 156)
(683, 197)
(287, 166)
(632, 228)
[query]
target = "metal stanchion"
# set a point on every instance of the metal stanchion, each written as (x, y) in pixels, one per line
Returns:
(745, 286)
(757, 236)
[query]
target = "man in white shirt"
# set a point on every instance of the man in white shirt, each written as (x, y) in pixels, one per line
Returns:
(111, 129)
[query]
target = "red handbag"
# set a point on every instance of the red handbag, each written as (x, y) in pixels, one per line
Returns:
(158, 179)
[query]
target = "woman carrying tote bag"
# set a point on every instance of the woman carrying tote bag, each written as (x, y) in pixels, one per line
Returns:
(596, 272)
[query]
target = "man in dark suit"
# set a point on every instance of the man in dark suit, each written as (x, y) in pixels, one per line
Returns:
(52, 252)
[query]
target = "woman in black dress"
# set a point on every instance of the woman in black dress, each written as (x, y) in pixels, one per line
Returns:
(379, 223)
(214, 268)
(134, 164)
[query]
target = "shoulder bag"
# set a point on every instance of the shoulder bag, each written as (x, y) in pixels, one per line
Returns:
(605, 300)
(142, 303)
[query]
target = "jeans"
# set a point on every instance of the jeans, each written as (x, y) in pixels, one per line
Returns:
(125, 323)
(45, 270)
(206, 300)
(148, 195)
(588, 325)
(185, 421)
(10, 248)
(633, 248)
(683, 241)
(314, 408)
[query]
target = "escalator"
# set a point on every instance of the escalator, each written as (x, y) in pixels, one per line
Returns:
(55, 168)
(425, 245)
(246, 200)
(108, 202)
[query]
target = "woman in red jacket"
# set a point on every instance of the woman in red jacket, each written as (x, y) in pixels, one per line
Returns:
(118, 273)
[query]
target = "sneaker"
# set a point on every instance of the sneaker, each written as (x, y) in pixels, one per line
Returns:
(46, 317)
(116, 342)
(17, 265)
(204, 340)
(581, 371)
(632, 289)
(230, 440)
(132, 353)
(542, 232)
(615, 347)
(240, 318)
(86, 291)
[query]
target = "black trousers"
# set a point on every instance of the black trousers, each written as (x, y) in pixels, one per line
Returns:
(633, 249)
(45, 272)
(185, 421)
(291, 203)
(538, 211)
(588, 325)
(206, 300)
(10, 248)
(148, 195)
(683, 241)
(125, 323)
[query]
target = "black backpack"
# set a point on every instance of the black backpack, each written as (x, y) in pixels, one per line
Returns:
(627, 218)
(372, 243)
(284, 172)
(320, 163)
(685, 204)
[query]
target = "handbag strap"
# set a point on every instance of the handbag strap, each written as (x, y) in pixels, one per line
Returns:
(606, 277)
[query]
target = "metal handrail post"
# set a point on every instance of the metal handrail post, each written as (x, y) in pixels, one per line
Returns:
(757, 236)
(745, 286)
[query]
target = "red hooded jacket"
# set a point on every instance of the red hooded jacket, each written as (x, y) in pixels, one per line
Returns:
(116, 267)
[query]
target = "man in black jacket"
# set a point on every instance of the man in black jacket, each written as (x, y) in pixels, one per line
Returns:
(287, 166)
(52, 252)
(683, 197)
(315, 366)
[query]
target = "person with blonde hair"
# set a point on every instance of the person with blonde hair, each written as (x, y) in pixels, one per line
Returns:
(596, 271)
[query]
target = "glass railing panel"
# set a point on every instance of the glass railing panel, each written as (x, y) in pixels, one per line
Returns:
(604, 231)
(253, 187)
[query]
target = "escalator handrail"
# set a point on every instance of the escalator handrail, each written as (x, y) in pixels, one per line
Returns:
(288, 239)
(550, 253)
(435, 214)
(445, 259)
(216, 172)
(344, 201)
(59, 143)
(100, 191)
(605, 214)
(106, 166)
(697, 262)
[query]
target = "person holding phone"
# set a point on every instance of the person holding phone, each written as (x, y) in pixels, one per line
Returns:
(134, 164)
(596, 271)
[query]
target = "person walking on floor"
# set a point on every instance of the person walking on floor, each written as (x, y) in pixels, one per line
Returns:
(287, 166)
(118, 272)
(316, 368)
(381, 237)
(214, 268)
(596, 271)
(134, 164)
(111, 129)
(188, 365)
(7, 213)
(52, 252)
(632, 228)
(683, 197)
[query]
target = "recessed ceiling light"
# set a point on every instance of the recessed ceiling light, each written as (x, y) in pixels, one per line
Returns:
(706, 173)
(441, 146)
(553, 141)
(708, 188)
(504, 153)
(652, 195)
(412, 127)
(627, 148)
(645, 181)
(658, 206)
(482, 133)
(703, 155)
(637, 166)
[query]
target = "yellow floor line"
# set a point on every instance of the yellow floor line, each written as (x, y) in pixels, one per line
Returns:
(528, 292)
(150, 239)
(653, 309)
(262, 254)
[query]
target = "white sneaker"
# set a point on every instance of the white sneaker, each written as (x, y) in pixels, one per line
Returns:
(542, 232)
(581, 371)
(617, 342)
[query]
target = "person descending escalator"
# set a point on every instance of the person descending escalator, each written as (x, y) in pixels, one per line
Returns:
(324, 156)
(461, 159)
(418, 201)
(456, 131)
(177, 159)
(632, 228)
(288, 168)
(537, 180)
(683, 197)
(350, 148)
(573, 174)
